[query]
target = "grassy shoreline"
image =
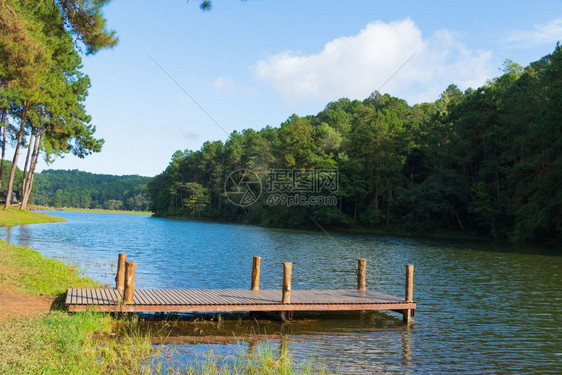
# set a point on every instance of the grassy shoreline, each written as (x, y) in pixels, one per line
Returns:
(95, 210)
(15, 216)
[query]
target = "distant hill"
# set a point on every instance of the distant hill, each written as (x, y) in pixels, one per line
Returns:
(74, 188)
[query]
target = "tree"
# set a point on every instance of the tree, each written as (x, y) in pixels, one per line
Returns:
(196, 198)
(40, 81)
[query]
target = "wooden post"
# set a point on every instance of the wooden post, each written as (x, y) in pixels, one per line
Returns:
(256, 273)
(129, 282)
(120, 277)
(407, 314)
(287, 270)
(361, 274)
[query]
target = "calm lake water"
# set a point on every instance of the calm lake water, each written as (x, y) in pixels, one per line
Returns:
(481, 308)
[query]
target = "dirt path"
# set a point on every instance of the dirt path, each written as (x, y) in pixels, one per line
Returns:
(14, 303)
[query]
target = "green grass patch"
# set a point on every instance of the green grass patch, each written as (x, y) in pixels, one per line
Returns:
(262, 360)
(98, 210)
(15, 216)
(58, 343)
(27, 270)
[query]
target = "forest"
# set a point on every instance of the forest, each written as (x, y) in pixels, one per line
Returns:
(486, 161)
(73, 188)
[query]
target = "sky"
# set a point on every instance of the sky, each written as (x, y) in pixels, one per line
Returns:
(180, 76)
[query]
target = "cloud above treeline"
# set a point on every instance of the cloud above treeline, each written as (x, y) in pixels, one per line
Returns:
(545, 33)
(354, 66)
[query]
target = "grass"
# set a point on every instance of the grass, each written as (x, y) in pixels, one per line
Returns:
(58, 343)
(96, 210)
(263, 360)
(26, 270)
(14, 216)
(55, 342)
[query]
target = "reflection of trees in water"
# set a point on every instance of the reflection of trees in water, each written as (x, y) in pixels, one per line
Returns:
(24, 237)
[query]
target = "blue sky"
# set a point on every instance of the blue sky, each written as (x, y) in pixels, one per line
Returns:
(253, 63)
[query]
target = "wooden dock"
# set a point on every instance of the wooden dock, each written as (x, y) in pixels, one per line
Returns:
(123, 299)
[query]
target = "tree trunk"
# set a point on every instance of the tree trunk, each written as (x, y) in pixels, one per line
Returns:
(31, 175)
(25, 171)
(4, 128)
(16, 154)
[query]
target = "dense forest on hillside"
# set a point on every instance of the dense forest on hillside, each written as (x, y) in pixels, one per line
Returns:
(486, 160)
(73, 188)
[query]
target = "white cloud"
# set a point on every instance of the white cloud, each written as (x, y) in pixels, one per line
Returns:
(227, 86)
(547, 33)
(222, 85)
(357, 65)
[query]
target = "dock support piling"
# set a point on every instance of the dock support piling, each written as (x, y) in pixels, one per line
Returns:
(256, 273)
(286, 299)
(120, 277)
(409, 292)
(287, 270)
(361, 274)
(129, 282)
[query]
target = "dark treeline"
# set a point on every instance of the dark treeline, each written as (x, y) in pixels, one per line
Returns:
(72, 188)
(487, 161)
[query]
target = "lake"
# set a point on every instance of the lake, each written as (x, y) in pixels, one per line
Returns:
(481, 308)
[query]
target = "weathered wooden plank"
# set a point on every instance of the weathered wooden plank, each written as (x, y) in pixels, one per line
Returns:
(179, 298)
(235, 308)
(68, 299)
(109, 297)
(162, 298)
(140, 297)
(153, 297)
(170, 297)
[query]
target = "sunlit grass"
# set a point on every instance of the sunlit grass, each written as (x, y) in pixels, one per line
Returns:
(94, 210)
(25, 269)
(14, 216)
(59, 343)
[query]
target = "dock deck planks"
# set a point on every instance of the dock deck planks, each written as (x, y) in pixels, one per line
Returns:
(230, 300)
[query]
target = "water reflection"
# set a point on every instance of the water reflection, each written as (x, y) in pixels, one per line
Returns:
(351, 342)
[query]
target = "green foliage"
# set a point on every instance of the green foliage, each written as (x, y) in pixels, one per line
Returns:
(72, 188)
(485, 161)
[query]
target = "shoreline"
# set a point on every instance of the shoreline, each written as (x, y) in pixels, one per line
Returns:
(92, 210)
